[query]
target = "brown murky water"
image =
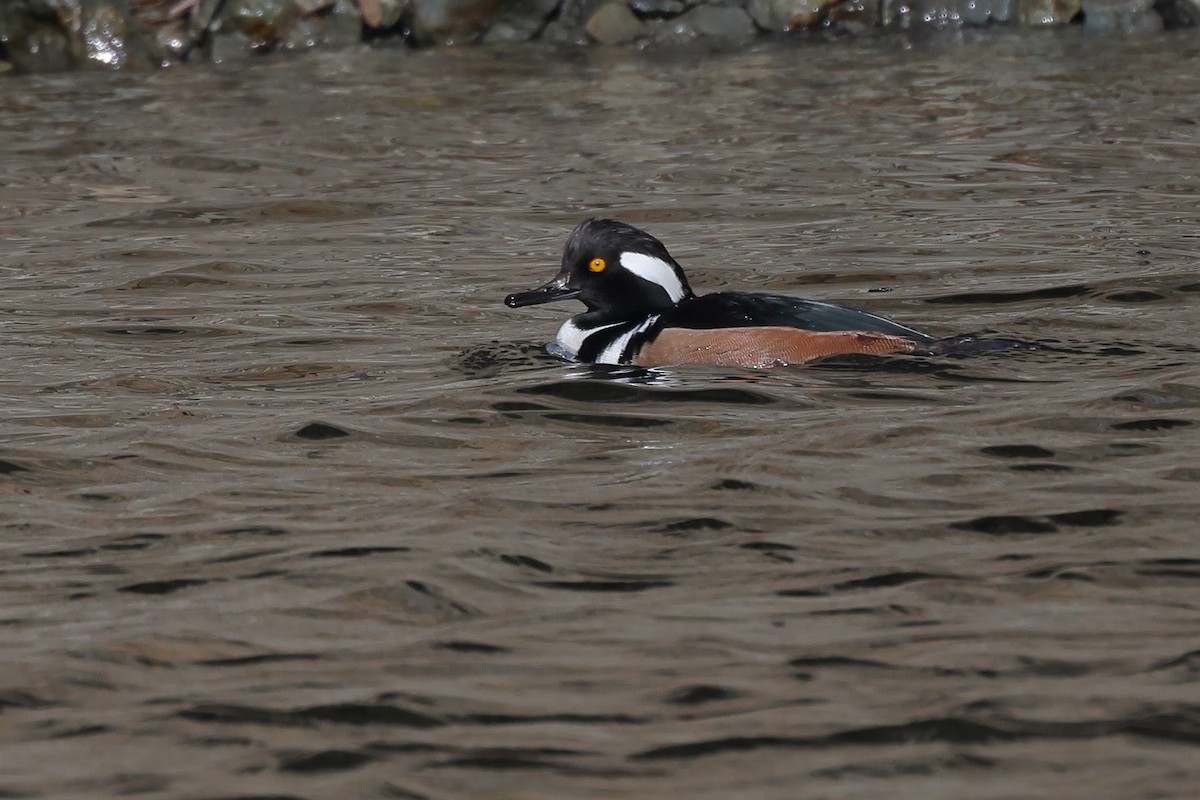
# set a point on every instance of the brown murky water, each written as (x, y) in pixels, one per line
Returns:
(293, 506)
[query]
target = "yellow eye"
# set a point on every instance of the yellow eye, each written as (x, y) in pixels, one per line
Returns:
(597, 265)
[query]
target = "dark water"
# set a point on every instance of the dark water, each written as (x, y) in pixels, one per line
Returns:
(294, 507)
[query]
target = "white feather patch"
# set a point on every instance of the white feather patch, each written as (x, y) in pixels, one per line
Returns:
(654, 270)
(612, 353)
(571, 337)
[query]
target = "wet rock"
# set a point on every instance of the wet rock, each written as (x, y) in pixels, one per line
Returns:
(449, 22)
(706, 25)
(230, 45)
(1178, 13)
(725, 24)
(35, 45)
(562, 32)
(245, 27)
(177, 34)
(336, 25)
(251, 26)
(520, 20)
(658, 8)
(381, 14)
(787, 15)
(614, 23)
(106, 31)
(673, 33)
(1121, 16)
(40, 35)
(977, 12)
(1039, 13)
(938, 14)
(175, 39)
(43, 35)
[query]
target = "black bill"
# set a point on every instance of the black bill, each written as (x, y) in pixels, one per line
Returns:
(556, 289)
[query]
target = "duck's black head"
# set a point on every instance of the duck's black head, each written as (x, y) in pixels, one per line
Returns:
(615, 269)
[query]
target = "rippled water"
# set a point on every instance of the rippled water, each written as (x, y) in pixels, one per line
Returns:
(294, 507)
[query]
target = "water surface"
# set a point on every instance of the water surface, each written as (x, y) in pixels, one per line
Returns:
(293, 506)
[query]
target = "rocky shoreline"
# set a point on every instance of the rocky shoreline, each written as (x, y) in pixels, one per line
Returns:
(48, 35)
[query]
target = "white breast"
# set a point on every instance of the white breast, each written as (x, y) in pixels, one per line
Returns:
(571, 337)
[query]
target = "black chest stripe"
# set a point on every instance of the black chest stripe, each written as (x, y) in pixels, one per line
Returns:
(596, 343)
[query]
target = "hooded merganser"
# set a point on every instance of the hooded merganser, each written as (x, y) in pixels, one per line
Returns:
(641, 311)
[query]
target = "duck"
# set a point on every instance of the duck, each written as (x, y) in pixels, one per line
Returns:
(641, 311)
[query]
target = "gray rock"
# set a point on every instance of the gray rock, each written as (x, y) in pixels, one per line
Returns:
(705, 29)
(658, 8)
(230, 45)
(451, 21)
(786, 15)
(976, 12)
(939, 14)
(614, 23)
(174, 39)
(1038, 13)
(246, 27)
(1123, 16)
(1178, 13)
(42, 35)
(1002, 10)
(341, 26)
(578, 12)
(520, 20)
(726, 24)
(561, 32)
(673, 33)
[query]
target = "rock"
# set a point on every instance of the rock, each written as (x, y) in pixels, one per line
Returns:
(251, 26)
(787, 15)
(673, 33)
(976, 12)
(561, 32)
(1038, 13)
(658, 8)
(1178, 13)
(372, 13)
(35, 46)
(725, 24)
(939, 14)
(42, 35)
(390, 13)
(1123, 16)
(340, 26)
(520, 20)
(450, 21)
(177, 38)
(614, 23)
(707, 27)
(245, 27)
(230, 45)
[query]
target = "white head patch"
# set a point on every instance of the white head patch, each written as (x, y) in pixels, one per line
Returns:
(656, 271)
